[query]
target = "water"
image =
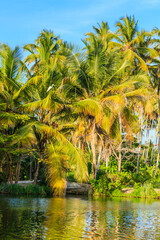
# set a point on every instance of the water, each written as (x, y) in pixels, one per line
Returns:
(78, 218)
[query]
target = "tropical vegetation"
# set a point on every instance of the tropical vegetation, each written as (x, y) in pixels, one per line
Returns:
(92, 115)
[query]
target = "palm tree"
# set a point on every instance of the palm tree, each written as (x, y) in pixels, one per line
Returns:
(135, 45)
(44, 108)
(11, 76)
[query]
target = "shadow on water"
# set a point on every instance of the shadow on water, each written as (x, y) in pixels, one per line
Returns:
(78, 218)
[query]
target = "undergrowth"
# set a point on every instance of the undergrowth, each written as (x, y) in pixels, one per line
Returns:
(16, 189)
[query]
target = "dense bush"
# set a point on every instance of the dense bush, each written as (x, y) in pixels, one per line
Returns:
(110, 183)
(144, 191)
(34, 190)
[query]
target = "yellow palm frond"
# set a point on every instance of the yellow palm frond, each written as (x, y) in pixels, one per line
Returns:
(90, 107)
(116, 102)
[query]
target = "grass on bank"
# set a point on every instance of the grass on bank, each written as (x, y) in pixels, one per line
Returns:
(16, 189)
(139, 191)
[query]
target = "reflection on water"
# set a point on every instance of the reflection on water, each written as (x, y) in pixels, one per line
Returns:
(78, 218)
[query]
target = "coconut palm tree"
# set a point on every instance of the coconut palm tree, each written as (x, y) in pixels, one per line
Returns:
(11, 76)
(45, 107)
(135, 45)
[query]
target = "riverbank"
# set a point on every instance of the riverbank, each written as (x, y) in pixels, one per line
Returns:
(139, 191)
(27, 188)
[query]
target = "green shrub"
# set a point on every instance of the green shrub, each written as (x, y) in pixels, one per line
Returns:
(105, 185)
(11, 189)
(70, 177)
(35, 190)
(144, 175)
(101, 186)
(117, 193)
(16, 189)
(144, 191)
(156, 184)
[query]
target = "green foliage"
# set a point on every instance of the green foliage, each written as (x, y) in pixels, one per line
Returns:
(117, 193)
(142, 176)
(101, 186)
(70, 177)
(35, 190)
(108, 184)
(144, 191)
(16, 189)
(79, 109)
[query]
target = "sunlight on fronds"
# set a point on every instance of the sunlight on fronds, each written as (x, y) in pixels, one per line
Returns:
(119, 89)
(116, 102)
(71, 89)
(57, 165)
(76, 159)
(107, 122)
(149, 106)
(28, 85)
(26, 135)
(60, 158)
(90, 107)
(130, 121)
(115, 131)
(142, 63)
(140, 94)
(9, 119)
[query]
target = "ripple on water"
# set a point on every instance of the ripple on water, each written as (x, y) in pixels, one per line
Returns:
(78, 218)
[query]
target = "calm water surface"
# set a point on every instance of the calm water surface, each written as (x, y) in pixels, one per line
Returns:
(78, 218)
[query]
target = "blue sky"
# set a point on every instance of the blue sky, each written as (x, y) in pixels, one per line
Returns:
(22, 20)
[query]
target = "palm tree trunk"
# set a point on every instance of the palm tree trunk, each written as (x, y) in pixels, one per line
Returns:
(148, 144)
(108, 154)
(107, 151)
(18, 168)
(120, 145)
(93, 146)
(153, 146)
(99, 158)
(79, 144)
(10, 175)
(140, 140)
(30, 170)
(157, 163)
(158, 123)
(88, 146)
(36, 173)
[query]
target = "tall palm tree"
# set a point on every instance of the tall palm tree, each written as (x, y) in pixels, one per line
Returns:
(11, 76)
(135, 45)
(45, 107)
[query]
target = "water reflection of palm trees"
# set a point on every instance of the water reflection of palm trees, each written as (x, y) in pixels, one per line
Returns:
(77, 218)
(80, 219)
(19, 220)
(65, 219)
